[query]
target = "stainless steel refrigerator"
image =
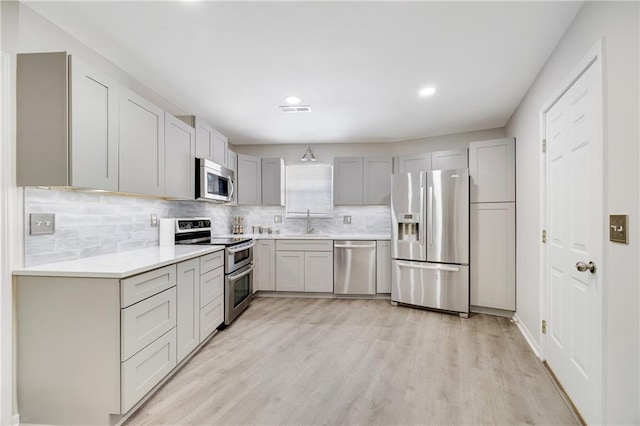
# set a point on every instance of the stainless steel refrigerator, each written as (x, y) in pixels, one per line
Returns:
(430, 239)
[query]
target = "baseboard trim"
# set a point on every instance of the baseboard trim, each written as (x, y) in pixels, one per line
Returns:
(527, 336)
(491, 311)
(306, 295)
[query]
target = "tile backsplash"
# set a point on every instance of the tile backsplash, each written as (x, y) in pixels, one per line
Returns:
(364, 220)
(90, 224)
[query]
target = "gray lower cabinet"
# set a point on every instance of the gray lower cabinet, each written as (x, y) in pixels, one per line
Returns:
(318, 271)
(249, 180)
(141, 149)
(289, 271)
(265, 266)
(179, 159)
(147, 368)
(493, 252)
(188, 320)
(67, 126)
(383, 267)
(304, 265)
(108, 342)
(211, 289)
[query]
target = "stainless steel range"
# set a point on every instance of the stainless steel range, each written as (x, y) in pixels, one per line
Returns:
(238, 263)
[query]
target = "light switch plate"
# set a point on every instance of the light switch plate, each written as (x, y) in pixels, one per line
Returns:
(42, 223)
(618, 228)
(154, 220)
(277, 218)
(346, 219)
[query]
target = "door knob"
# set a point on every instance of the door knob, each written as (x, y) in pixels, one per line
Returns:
(581, 266)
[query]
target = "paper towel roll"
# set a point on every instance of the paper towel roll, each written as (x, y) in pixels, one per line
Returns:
(167, 234)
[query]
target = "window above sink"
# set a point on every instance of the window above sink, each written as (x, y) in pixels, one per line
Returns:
(309, 187)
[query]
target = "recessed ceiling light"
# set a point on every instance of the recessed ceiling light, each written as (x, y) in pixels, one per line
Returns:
(428, 91)
(292, 100)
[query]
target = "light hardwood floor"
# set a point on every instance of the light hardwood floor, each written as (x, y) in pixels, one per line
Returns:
(340, 361)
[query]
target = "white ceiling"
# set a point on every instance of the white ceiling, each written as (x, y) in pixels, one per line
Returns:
(358, 64)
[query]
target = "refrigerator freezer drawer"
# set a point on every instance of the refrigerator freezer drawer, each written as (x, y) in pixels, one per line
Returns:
(431, 285)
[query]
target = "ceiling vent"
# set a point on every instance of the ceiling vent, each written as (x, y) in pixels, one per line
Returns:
(296, 108)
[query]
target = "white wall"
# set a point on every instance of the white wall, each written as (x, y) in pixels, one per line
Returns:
(617, 23)
(325, 152)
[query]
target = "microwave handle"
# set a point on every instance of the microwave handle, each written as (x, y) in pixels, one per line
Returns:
(233, 188)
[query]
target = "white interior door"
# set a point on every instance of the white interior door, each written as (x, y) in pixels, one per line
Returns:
(574, 222)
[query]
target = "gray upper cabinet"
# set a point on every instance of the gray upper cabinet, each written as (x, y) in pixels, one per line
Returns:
(210, 143)
(413, 163)
(220, 147)
(377, 180)
(232, 163)
(492, 171)
(362, 180)
(451, 159)
(179, 158)
(67, 123)
(248, 181)
(273, 188)
(347, 180)
(141, 145)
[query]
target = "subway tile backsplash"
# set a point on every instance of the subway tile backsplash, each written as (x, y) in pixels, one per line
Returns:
(364, 220)
(90, 224)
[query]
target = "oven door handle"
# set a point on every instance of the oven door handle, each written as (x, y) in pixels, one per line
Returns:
(236, 250)
(241, 274)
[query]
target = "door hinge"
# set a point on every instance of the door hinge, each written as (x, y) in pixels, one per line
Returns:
(544, 236)
(544, 327)
(544, 145)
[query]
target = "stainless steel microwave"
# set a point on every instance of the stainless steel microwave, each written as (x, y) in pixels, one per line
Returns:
(213, 181)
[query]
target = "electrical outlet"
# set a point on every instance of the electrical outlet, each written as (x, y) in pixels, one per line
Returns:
(346, 219)
(154, 220)
(42, 223)
(277, 218)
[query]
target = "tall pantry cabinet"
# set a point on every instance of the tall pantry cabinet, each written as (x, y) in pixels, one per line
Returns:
(493, 220)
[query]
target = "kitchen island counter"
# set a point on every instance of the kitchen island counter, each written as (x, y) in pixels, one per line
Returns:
(121, 264)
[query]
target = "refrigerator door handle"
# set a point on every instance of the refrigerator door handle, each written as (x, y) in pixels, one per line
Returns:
(430, 216)
(421, 229)
(431, 267)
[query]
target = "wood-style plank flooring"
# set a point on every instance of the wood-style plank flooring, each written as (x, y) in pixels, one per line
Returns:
(342, 361)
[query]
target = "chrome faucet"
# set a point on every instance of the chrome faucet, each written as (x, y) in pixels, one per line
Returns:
(309, 228)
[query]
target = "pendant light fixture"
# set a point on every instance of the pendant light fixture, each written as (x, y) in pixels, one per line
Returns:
(308, 156)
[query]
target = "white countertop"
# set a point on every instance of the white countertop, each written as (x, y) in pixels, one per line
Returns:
(121, 264)
(315, 236)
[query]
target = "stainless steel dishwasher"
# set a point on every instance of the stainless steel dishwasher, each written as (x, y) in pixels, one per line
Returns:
(354, 267)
